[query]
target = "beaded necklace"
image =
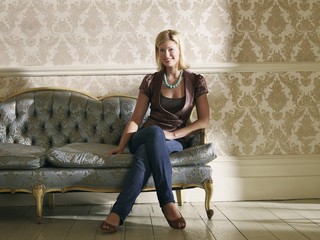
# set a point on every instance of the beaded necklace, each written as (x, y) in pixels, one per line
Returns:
(175, 85)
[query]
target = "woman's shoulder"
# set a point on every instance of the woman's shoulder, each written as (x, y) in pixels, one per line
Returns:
(151, 76)
(149, 83)
(198, 83)
(192, 75)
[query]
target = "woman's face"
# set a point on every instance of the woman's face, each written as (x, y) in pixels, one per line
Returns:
(169, 54)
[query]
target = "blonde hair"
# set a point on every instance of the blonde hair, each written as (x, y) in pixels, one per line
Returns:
(175, 36)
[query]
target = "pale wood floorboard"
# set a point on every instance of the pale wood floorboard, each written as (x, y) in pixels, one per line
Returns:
(282, 220)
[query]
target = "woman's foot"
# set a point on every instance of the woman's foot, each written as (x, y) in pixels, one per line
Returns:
(173, 216)
(111, 224)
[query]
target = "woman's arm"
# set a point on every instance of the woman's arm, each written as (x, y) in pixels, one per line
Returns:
(203, 114)
(133, 124)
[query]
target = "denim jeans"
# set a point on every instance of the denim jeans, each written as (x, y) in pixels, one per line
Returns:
(151, 156)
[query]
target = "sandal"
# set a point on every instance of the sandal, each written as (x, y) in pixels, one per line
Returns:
(108, 227)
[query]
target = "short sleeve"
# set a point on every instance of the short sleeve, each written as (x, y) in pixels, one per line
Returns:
(145, 86)
(200, 86)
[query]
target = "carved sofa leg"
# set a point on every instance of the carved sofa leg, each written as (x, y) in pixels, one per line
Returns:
(179, 197)
(208, 187)
(38, 193)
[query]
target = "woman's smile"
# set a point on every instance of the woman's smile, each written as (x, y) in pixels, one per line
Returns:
(169, 53)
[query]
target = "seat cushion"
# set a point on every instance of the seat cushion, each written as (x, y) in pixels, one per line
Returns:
(88, 155)
(19, 156)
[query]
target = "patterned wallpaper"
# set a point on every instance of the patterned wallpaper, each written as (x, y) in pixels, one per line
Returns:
(252, 113)
(265, 113)
(74, 32)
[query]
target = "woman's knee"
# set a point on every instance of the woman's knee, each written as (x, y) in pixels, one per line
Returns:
(155, 131)
(148, 135)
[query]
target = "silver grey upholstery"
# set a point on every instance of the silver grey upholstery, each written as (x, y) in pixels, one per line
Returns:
(55, 140)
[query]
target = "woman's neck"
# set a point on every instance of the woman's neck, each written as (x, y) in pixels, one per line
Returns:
(174, 72)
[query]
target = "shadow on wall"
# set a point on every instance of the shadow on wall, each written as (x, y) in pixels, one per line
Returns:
(12, 81)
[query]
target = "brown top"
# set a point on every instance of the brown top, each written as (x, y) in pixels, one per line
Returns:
(195, 86)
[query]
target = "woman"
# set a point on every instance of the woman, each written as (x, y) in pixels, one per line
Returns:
(172, 92)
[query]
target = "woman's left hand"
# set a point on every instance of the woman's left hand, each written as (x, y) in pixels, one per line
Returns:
(169, 135)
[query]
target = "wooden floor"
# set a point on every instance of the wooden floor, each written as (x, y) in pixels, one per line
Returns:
(290, 220)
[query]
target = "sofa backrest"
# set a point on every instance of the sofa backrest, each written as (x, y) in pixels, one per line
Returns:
(55, 117)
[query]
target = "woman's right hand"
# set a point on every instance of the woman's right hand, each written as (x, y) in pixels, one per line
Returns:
(115, 151)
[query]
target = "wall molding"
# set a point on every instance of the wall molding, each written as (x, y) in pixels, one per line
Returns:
(142, 69)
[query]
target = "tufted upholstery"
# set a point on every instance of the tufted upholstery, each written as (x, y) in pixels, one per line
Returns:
(55, 140)
(55, 118)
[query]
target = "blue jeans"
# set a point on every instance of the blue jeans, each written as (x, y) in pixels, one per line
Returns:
(151, 156)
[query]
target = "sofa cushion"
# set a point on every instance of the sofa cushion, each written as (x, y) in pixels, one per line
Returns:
(19, 156)
(88, 155)
(93, 155)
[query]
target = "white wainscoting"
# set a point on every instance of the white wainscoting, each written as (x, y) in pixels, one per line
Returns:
(266, 177)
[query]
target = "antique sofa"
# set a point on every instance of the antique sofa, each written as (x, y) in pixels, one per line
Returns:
(55, 140)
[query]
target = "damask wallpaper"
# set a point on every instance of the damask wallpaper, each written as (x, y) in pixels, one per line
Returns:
(265, 113)
(74, 32)
(252, 113)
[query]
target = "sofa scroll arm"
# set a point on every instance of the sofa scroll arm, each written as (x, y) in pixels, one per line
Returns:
(198, 137)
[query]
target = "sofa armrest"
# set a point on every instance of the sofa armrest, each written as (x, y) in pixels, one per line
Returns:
(197, 138)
